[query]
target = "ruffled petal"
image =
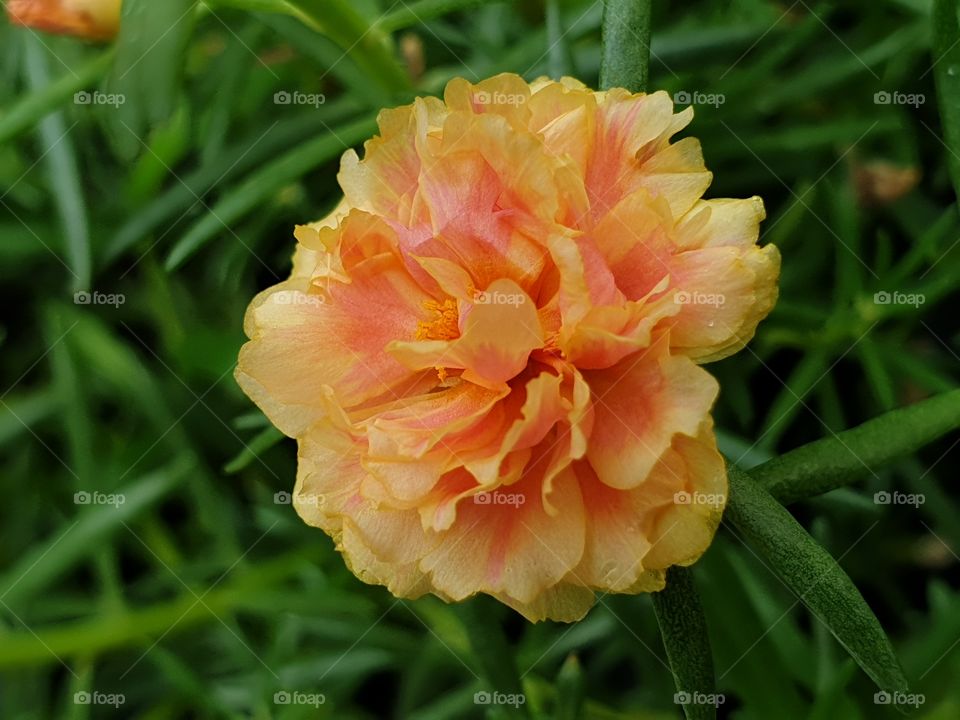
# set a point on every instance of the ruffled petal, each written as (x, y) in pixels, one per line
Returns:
(723, 292)
(302, 339)
(505, 543)
(640, 405)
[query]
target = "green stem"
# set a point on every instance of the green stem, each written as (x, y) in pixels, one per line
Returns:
(684, 631)
(846, 457)
(626, 44)
(492, 651)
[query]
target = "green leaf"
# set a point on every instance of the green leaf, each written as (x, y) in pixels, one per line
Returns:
(790, 400)
(23, 412)
(253, 150)
(558, 52)
(814, 576)
(239, 201)
(413, 13)
(368, 45)
(264, 440)
(59, 156)
(570, 690)
(946, 72)
(30, 109)
(146, 72)
(839, 460)
(489, 646)
(48, 561)
(89, 636)
(626, 44)
(684, 631)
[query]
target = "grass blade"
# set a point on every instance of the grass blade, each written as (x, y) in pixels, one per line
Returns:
(263, 441)
(150, 50)
(493, 654)
(367, 45)
(263, 184)
(48, 561)
(946, 70)
(44, 100)
(63, 172)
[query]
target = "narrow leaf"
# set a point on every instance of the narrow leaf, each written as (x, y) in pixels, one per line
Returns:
(839, 460)
(684, 631)
(60, 159)
(570, 690)
(240, 201)
(253, 150)
(626, 44)
(816, 578)
(145, 78)
(49, 561)
(419, 11)
(946, 72)
(368, 45)
(264, 440)
(29, 110)
(560, 59)
(493, 653)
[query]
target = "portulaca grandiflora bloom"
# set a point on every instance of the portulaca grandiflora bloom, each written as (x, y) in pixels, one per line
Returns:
(490, 352)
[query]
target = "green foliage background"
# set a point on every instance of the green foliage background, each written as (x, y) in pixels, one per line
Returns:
(201, 596)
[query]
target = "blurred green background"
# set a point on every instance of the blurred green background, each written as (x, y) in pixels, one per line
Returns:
(144, 551)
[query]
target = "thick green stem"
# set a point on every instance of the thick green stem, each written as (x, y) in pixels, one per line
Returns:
(496, 657)
(684, 631)
(846, 457)
(626, 44)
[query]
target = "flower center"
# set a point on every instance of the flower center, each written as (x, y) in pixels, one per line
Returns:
(445, 326)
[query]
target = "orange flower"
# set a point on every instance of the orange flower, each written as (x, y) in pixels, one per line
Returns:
(91, 19)
(489, 351)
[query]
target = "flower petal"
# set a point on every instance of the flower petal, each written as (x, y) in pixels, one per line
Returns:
(302, 340)
(512, 546)
(639, 406)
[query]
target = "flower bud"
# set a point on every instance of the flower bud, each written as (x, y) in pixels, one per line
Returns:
(90, 19)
